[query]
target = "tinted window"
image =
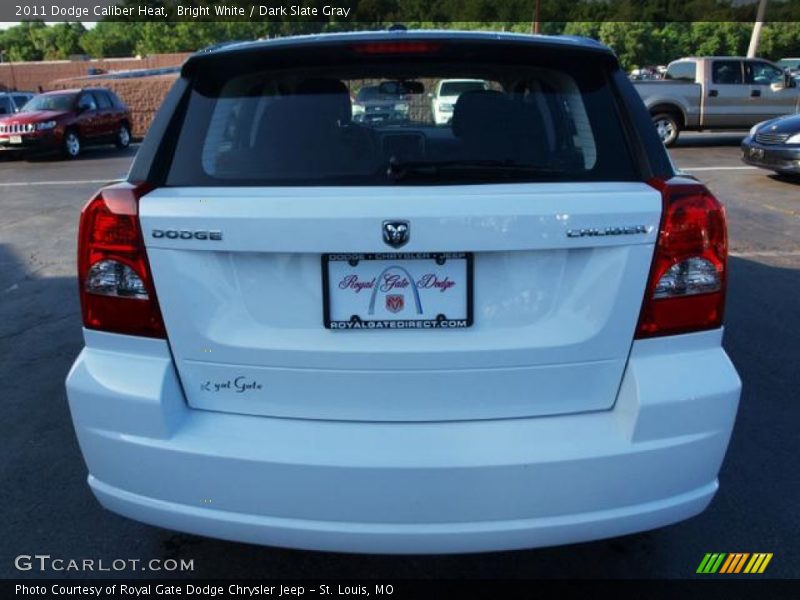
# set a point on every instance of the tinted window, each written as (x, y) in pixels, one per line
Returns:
(5, 105)
(51, 102)
(456, 88)
(761, 73)
(87, 102)
(20, 100)
(103, 100)
(115, 99)
(684, 71)
(294, 127)
(726, 71)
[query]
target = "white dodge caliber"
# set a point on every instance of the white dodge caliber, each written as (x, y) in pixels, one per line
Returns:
(399, 337)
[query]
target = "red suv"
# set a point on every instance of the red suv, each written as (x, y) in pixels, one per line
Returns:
(66, 121)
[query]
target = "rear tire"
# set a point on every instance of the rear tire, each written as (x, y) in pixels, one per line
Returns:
(668, 128)
(123, 137)
(71, 146)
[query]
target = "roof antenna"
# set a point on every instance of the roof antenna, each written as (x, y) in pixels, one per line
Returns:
(397, 27)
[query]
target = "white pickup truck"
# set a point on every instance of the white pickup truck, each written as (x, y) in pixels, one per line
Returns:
(718, 92)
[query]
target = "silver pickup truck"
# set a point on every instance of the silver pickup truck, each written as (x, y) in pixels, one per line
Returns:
(718, 92)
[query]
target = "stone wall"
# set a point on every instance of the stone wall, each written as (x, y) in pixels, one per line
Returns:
(30, 75)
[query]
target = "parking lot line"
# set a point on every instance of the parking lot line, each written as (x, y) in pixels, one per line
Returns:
(62, 182)
(765, 253)
(718, 168)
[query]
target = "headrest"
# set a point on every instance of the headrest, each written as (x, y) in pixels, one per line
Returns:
(479, 111)
(328, 96)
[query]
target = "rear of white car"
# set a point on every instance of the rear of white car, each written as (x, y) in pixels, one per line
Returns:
(307, 332)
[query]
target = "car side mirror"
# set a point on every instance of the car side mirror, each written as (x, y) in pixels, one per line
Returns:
(787, 81)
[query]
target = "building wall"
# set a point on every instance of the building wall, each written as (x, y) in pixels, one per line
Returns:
(30, 75)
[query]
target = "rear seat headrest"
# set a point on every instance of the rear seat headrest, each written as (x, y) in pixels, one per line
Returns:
(334, 96)
(480, 110)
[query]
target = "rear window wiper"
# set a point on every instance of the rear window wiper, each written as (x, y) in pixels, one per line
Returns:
(397, 170)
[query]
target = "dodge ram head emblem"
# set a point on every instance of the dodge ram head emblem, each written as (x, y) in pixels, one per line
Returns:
(396, 233)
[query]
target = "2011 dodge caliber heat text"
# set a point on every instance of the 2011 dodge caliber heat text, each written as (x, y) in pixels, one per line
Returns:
(308, 330)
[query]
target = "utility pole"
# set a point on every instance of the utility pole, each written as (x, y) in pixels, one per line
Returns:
(536, 24)
(4, 54)
(752, 50)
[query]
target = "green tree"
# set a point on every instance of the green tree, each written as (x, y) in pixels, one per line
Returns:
(780, 40)
(112, 39)
(720, 38)
(59, 41)
(18, 42)
(633, 42)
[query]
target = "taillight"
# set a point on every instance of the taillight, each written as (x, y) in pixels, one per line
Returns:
(116, 287)
(686, 288)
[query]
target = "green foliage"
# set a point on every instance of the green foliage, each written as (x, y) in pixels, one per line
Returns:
(111, 39)
(640, 32)
(59, 41)
(18, 42)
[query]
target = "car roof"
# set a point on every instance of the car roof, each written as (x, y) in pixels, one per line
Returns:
(722, 58)
(306, 41)
(75, 91)
(56, 92)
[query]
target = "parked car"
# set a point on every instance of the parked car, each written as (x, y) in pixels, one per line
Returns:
(12, 102)
(382, 103)
(66, 121)
(506, 336)
(790, 64)
(718, 92)
(646, 74)
(774, 145)
(446, 94)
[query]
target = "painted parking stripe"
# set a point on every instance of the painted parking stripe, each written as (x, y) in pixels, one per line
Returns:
(719, 168)
(62, 182)
(765, 253)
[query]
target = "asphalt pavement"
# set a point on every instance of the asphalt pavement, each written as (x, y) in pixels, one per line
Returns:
(48, 508)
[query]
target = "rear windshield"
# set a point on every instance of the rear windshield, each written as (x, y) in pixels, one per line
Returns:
(456, 88)
(307, 126)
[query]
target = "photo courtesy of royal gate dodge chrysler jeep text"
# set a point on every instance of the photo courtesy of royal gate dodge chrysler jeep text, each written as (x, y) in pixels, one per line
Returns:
(404, 335)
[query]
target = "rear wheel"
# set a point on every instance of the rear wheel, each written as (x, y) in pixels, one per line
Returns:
(123, 139)
(72, 144)
(668, 128)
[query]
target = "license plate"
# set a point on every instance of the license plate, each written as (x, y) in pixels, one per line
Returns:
(422, 290)
(757, 153)
(15, 139)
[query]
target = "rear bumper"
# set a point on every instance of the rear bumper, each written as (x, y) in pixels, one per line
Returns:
(779, 158)
(406, 487)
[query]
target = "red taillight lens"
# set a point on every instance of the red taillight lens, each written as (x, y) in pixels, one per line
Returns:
(397, 48)
(686, 288)
(116, 287)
